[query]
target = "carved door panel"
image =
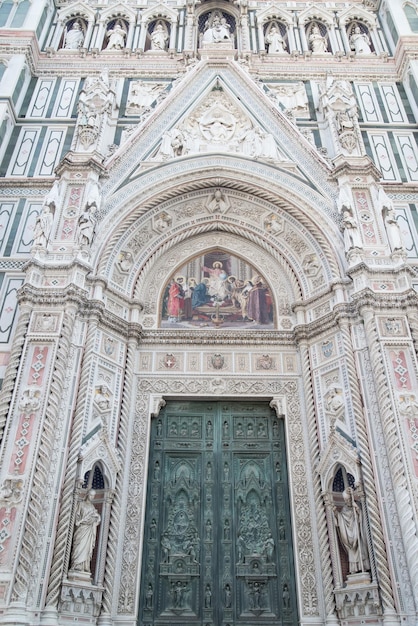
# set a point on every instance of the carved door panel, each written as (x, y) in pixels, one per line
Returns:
(217, 546)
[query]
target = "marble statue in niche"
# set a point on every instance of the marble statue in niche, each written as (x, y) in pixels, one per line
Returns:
(317, 42)
(87, 520)
(116, 36)
(86, 228)
(352, 237)
(159, 37)
(348, 520)
(216, 29)
(74, 37)
(393, 231)
(359, 41)
(276, 43)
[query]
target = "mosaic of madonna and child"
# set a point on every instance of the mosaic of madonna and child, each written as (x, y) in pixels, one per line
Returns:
(217, 290)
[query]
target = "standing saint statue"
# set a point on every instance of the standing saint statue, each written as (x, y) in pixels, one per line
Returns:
(87, 520)
(86, 226)
(43, 226)
(275, 41)
(350, 529)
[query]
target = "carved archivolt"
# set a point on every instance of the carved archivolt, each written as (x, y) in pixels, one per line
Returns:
(175, 231)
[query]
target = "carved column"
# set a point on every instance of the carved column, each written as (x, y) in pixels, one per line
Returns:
(44, 369)
(376, 540)
(60, 560)
(13, 366)
(398, 463)
(323, 535)
(115, 515)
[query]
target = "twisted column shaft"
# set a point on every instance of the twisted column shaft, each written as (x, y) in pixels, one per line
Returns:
(379, 565)
(42, 468)
(62, 544)
(114, 527)
(9, 381)
(397, 462)
(323, 538)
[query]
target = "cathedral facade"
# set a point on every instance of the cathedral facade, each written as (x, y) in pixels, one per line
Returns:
(208, 322)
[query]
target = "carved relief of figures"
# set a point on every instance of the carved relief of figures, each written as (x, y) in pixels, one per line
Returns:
(74, 36)
(352, 237)
(11, 491)
(339, 106)
(87, 520)
(217, 202)
(86, 228)
(141, 95)
(393, 231)
(348, 521)
(215, 125)
(291, 96)
(125, 261)
(172, 144)
(360, 41)
(162, 222)
(102, 398)
(274, 40)
(95, 103)
(159, 37)
(216, 29)
(116, 36)
(30, 400)
(317, 42)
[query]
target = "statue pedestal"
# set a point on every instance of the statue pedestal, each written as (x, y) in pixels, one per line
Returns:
(361, 578)
(79, 577)
(221, 50)
(80, 596)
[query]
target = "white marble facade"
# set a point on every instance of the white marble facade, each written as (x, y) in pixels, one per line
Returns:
(262, 155)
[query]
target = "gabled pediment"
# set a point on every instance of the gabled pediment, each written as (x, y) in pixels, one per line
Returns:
(357, 13)
(338, 451)
(316, 13)
(99, 447)
(158, 11)
(214, 110)
(274, 12)
(78, 9)
(118, 10)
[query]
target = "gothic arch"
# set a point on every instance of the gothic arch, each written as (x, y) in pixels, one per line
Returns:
(297, 203)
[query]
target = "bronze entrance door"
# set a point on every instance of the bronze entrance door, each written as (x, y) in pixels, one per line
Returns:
(217, 545)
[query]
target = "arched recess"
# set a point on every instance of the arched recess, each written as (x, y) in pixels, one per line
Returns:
(263, 205)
